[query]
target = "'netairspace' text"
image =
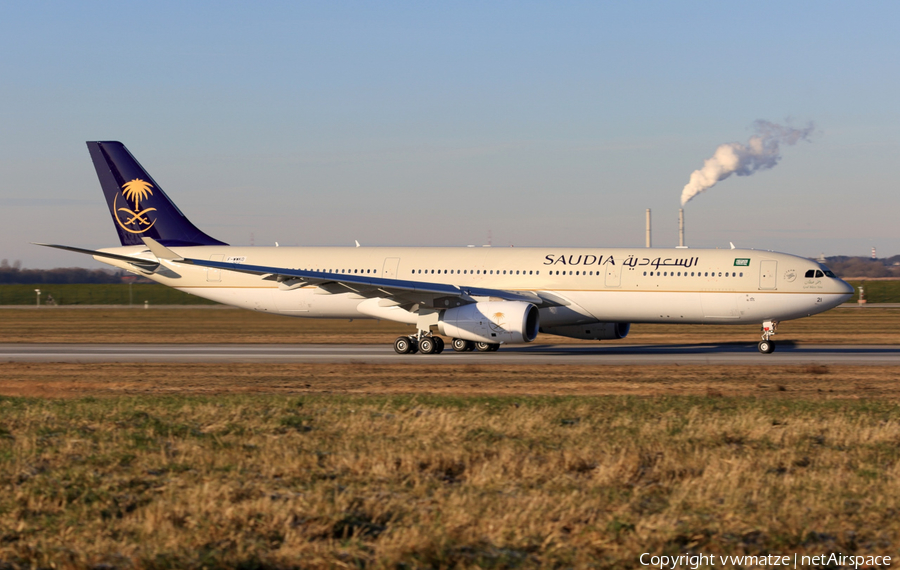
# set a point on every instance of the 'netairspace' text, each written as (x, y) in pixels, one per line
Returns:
(695, 561)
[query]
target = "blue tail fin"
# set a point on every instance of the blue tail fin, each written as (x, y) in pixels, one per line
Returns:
(138, 205)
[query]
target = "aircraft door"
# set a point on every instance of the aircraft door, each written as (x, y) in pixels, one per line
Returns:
(767, 274)
(214, 275)
(391, 265)
(613, 275)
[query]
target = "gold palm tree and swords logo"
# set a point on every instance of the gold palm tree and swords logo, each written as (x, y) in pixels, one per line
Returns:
(135, 190)
(496, 322)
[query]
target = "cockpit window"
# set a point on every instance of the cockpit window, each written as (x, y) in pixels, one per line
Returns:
(819, 273)
(826, 272)
(811, 273)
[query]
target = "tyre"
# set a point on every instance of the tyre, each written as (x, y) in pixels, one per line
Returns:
(766, 346)
(483, 346)
(438, 345)
(402, 345)
(495, 347)
(460, 345)
(427, 345)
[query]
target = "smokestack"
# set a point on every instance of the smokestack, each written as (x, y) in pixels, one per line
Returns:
(681, 227)
(649, 241)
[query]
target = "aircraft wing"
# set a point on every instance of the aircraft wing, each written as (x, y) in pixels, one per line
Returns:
(405, 292)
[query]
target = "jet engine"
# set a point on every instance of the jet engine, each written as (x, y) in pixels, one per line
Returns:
(492, 322)
(591, 331)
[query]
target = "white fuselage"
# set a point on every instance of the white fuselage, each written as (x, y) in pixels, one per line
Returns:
(728, 286)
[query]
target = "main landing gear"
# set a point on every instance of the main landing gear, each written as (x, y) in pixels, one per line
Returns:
(430, 344)
(460, 345)
(767, 346)
(425, 345)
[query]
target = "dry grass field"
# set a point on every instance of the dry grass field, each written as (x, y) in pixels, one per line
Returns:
(257, 466)
(191, 325)
(263, 481)
(813, 382)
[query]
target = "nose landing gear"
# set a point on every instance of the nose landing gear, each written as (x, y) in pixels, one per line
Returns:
(767, 346)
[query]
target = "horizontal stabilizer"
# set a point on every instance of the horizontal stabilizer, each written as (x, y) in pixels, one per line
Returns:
(160, 251)
(145, 264)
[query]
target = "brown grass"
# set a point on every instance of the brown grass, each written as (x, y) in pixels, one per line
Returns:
(336, 481)
(111, 379)
(131, 465)
(192, 325)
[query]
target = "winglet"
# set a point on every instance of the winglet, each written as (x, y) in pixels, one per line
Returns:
(161, 251)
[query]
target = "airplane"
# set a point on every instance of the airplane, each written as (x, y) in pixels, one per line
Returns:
(479, 297)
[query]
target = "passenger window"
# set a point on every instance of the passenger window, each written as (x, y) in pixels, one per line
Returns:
(720, 273)
(645, 273)
(742, 274)
(726, 274)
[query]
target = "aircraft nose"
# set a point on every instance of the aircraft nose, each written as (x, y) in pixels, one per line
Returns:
(847, 288)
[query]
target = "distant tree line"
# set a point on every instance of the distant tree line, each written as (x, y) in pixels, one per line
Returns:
(845, 266)
(14, 274)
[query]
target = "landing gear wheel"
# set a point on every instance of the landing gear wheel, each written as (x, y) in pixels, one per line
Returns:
(427, 345)
(438, 345)
(766, 346)
(413, 346)
(483, 346)
(403, 345)
(460, 345)
(495, 347)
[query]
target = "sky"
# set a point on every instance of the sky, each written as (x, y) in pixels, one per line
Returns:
(439, 123)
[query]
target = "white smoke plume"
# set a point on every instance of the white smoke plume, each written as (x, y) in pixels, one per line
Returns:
(760, 152)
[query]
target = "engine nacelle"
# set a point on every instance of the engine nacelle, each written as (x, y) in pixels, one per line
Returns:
(492, 321)
(592, 331)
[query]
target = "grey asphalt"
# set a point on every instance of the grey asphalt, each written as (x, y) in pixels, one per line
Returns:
(606, 353)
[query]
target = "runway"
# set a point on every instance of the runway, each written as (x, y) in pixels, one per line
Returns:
(713, 354)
